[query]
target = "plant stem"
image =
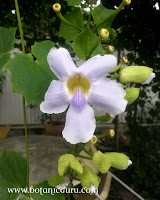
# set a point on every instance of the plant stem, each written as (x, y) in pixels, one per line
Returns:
(26, 139)
(87, 152)
(66, 21)
(118, 67)
(85, 157)
(94, 47)
(24, 109)
(114, 77)
(102, 135)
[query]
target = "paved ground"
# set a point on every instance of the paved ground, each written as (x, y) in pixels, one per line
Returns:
(42, 159)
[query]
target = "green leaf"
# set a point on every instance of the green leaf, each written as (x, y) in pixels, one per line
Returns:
(73, 2)
(84, 42)
(55, 180)
(40, 50)
(103, 17)
(24, 198)
(28, 78)
(7, 40)
(47, 195)
(104, 118)
(13, 173)
(76, 18)
(102, 162)
(4, 58)
(68, 160)
(89, 177)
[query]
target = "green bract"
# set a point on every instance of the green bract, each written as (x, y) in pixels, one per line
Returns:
(118, 160)
(68, 160)
(135, 74)
(55, 180)
(101, 161)
(7, 40)
(131, 94)
(89, 177)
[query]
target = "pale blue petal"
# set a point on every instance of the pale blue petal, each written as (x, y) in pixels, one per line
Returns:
(95, 67)
(61, 63)
(56, 99)
(79, 126)
(107, 95)
(78, 101)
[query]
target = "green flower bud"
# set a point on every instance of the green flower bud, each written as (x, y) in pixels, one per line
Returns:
(68, 160)
(124, 60)
(110, 48)
(55, 180)
(93, 140)
(126, 2)
(88, 177)
(118, 160)
(101, 161)
(131, 94)
(135, 74)
(104, 33)
(56, 7)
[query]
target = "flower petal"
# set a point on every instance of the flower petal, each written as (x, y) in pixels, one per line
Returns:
(95, 67)
(107, 95)
(152, 76)
(128, 164)
(79, 126)
(61, 63)
(56, 99)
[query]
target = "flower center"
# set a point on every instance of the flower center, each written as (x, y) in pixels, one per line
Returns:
(76, 83)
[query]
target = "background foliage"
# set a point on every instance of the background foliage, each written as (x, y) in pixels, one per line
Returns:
(136, 29)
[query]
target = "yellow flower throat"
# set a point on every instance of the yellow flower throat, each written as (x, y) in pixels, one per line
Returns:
(78, 82)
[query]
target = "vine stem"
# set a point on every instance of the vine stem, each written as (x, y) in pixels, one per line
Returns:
(85, 157)
(24, 108)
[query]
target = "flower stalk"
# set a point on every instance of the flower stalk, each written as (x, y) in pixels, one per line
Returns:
(85, 157)
(57, 11)
(24, 109)
(110, 133)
